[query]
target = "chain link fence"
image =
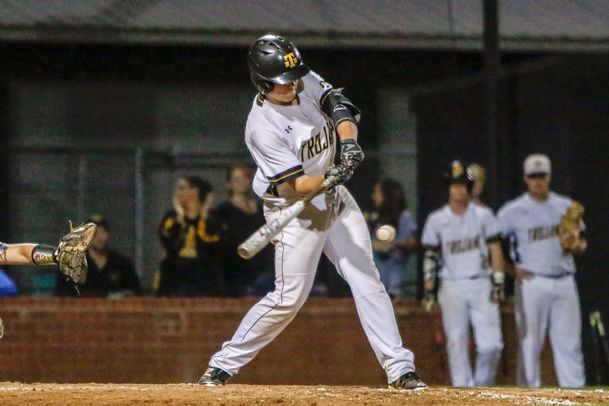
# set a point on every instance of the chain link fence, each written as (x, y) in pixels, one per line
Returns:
(132, 189)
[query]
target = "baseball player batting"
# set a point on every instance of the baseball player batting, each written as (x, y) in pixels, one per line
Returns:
(546, 293)
(291, 134)
(458, 239)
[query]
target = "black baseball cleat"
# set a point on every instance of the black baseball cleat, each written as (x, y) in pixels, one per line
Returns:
(409, 380)
(214, 377)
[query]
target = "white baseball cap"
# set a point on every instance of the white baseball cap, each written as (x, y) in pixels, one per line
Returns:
(537, 164)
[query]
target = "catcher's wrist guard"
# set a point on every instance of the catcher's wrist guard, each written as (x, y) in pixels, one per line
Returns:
(44, 255)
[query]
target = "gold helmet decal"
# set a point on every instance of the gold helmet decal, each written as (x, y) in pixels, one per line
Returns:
(290, 60)
(457, 169)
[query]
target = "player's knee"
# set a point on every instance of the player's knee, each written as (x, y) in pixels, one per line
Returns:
(570, 349)
(490, 347)
(490, 342)
(456, 340)
(293, 298)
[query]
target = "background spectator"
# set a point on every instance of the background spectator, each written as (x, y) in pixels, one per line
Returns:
(391, 257)
(7, 285)
(238, 217)
(190, 265)
(111, 274)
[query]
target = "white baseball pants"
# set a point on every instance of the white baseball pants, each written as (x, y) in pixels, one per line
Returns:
(340, 232)
(462, 302)
(544, 303)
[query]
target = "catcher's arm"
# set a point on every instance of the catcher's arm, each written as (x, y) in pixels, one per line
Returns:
(70, 254)
(28, 254)
(16, 254)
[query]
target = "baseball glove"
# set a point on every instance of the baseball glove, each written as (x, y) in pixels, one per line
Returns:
(570, 226)
(72, 250)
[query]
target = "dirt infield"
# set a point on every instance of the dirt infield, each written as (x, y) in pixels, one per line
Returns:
(188, 394)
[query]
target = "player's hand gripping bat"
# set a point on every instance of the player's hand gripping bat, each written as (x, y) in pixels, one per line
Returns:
(261, 237)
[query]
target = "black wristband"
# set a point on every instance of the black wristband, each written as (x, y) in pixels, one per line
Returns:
(44, 255)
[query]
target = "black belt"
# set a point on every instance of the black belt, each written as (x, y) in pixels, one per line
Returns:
(557, 276)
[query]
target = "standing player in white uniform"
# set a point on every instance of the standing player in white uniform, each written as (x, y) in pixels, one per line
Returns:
(457, 240)
(546, 293)
(291, 133)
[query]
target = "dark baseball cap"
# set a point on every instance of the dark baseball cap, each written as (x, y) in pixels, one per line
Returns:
(99, 220)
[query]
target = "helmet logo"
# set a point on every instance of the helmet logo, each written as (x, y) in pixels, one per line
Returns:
(457, 169)
(290, 60)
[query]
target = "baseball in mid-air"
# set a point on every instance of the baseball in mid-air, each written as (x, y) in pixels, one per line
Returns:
(385, 233)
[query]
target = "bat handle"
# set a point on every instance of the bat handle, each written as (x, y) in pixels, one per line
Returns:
(326, 185)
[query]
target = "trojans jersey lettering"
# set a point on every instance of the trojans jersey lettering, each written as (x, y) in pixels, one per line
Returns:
(289, 141)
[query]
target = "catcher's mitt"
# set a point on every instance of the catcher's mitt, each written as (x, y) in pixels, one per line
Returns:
(570, 226)
(72, 250)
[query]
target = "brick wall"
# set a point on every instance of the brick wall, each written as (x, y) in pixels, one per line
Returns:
(166, 340)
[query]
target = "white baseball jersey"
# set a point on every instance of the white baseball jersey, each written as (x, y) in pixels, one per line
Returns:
(462, 240)
(532, 228)
(289, 141)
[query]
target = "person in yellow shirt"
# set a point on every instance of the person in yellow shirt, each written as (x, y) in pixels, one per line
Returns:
(187, 233)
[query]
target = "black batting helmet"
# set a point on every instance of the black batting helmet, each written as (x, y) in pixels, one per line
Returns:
(273, 59)
(458, 172)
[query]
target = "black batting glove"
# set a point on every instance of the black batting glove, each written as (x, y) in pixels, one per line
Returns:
(498, 290)
(340, 172)
(351, 154)
(429, 302)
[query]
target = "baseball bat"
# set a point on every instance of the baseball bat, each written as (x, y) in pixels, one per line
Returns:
(261, 237)
(600, 328)
(598, 374)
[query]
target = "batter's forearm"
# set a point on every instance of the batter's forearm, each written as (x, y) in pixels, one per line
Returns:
(305, 184)
(347, 130)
